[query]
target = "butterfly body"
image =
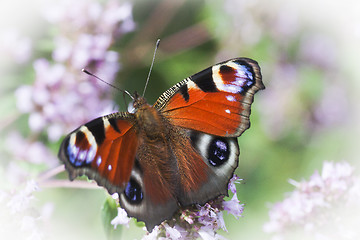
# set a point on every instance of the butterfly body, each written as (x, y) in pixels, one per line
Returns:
(180, 151)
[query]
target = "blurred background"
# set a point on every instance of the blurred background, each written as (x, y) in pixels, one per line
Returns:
(308, 52)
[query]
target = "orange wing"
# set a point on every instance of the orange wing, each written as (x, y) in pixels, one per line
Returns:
(103, 149)
(215, 101)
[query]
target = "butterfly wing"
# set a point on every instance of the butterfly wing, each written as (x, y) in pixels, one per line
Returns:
(205, 163)
(216, 100)
(214, 108)
(104, 149)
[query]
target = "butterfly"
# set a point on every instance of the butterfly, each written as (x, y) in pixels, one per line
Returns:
(181, 151)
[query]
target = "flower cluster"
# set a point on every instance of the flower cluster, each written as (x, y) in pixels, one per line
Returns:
(58, 98)
(20, 220)
(195, 221)
(32, 152)
(15, 47)
(63, 97)
(319, 208)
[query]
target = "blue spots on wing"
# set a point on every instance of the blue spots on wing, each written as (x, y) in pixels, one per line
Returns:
(244, 78)
(237, 77)
(80, 157)
(231, 98)
(218, 151)
(72, 153)
(98, 161)
(133, 192)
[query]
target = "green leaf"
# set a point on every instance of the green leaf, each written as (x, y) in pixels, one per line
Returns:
(108, 213)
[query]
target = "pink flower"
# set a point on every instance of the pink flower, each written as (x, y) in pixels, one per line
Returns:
(232, 186)
(234, 207)
(21, 201)
(62, 97)
(199, 221)
(121, 218)
(172, 232)
(32, 151)
(21, 220)
(318, 207)
(14, 47)
(153, 235)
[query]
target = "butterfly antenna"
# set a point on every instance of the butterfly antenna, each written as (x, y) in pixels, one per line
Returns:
(93, 75)
(152, 63)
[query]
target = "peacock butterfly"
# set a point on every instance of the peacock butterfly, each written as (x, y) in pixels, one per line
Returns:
(180, 151)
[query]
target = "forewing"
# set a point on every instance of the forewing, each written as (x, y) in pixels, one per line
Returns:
(103, 149)
(216, 100)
